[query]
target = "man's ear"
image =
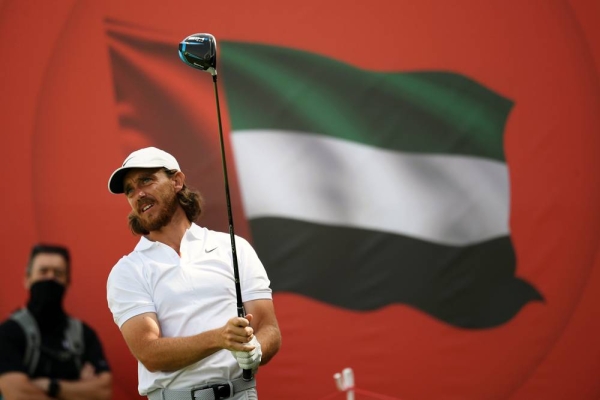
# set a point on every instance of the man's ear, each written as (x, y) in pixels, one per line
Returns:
(178, 181)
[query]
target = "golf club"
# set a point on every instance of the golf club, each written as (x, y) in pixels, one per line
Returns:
(200, 51)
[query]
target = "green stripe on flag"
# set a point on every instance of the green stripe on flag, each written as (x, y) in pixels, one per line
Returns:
(270, 87)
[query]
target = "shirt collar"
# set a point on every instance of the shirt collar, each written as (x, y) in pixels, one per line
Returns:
(194, 230)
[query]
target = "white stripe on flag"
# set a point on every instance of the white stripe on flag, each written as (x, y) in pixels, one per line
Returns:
(446, 199)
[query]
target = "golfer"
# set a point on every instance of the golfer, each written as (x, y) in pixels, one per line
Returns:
(173, 297)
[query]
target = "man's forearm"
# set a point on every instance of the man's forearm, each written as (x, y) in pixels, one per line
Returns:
(18, 386)
(97, 388)
(269, 338)
(172, 354)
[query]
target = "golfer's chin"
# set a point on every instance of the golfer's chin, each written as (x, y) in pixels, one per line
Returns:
(148, 221)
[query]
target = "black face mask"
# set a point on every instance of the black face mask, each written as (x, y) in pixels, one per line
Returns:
(45, 303)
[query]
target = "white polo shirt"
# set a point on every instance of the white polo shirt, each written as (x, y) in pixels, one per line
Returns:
(189, 294)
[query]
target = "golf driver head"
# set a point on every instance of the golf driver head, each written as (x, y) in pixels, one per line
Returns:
(200, 51)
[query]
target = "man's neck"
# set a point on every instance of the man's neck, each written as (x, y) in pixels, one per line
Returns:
(172, 234)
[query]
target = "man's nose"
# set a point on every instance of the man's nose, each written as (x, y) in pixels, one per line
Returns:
(51, 274)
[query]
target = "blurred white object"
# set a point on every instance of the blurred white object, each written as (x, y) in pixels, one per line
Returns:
(339, 383)
(345, 382)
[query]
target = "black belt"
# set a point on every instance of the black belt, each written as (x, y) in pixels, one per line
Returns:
(213, 391)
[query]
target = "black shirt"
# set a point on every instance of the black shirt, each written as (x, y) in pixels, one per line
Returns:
(13, 345)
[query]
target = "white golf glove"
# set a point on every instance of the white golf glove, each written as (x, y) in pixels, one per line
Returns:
(249, 359)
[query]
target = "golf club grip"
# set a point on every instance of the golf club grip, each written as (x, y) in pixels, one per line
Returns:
(246, 373)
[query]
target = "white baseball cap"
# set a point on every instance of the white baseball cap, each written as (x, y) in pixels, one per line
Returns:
(149, 157)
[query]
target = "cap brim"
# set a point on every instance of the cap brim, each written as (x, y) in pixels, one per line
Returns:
(115, 182)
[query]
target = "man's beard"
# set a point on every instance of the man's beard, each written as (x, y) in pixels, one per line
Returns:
(141, 226)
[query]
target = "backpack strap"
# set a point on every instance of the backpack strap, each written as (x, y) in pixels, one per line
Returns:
(74, 336)
(32, 334)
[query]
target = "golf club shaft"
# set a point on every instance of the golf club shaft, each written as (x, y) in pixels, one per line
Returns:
(247, 374)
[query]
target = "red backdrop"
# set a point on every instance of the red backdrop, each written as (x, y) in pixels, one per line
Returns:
(62, 138)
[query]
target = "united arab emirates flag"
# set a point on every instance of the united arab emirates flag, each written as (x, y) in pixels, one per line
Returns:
(365, 188)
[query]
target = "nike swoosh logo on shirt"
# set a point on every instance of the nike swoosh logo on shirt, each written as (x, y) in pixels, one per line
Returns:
(209, 250)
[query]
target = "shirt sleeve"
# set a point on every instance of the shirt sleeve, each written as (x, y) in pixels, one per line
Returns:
(127, 291)
(94, 353)
(12, 348)
(254, 281)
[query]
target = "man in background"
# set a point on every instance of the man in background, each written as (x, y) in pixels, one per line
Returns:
(45, 353)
